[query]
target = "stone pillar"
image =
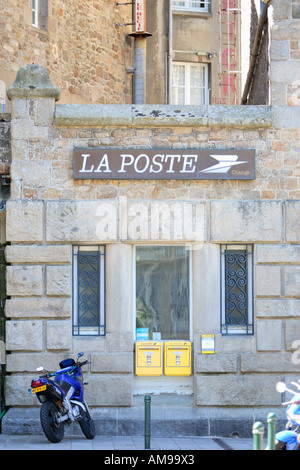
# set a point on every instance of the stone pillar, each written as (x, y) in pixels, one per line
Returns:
(33, 99)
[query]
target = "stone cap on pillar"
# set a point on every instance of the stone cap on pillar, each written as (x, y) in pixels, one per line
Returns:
(33, 81)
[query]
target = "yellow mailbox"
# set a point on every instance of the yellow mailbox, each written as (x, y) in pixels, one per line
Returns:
(178, 358)
(148, 358)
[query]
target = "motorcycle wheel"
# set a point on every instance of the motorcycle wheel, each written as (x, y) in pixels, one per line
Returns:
(87, 427)
(53, 430)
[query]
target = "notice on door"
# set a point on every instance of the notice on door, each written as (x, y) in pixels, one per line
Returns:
(157, 164)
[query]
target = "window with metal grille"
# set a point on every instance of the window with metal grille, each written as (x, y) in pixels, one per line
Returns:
(191, 5)
(89, 290)
(237, 289)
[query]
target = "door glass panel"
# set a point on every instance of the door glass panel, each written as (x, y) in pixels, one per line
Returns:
(162, 291)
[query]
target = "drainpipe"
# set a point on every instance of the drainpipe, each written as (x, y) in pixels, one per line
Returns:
(170, 50)
(140, 35)
(255, 50)
(140, 69)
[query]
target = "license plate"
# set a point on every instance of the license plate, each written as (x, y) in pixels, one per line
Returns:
(38, 389)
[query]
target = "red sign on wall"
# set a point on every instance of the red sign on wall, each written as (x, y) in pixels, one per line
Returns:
(140, 16)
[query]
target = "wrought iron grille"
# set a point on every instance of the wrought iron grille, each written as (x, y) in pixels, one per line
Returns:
(89, 290)
(236, 289)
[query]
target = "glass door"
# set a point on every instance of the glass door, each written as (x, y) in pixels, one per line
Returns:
(162, 285)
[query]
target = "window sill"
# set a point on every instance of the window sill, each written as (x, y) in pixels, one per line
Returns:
(198, 14)
(38, 30)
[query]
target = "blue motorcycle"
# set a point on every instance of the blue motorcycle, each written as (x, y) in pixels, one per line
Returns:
(289, 439)
(61, 394)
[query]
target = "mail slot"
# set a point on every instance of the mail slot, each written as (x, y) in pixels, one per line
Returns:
(178, 358)
(148, 358)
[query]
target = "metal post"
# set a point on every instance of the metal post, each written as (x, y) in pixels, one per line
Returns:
(147, 421)
(140, 70)
(272, 419)
(258, 436)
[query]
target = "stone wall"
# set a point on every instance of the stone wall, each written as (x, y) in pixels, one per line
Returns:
(85, 52)
(49, 211)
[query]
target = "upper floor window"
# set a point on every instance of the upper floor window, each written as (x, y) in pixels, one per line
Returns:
(189, 83)
(191, 5)
(40, 14)
(35, 12)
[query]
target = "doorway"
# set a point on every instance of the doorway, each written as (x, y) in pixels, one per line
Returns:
(163, 306)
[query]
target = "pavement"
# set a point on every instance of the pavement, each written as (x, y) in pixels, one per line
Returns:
(126, 443)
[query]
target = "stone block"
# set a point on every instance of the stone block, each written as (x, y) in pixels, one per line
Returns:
(292, 220)
(280, 363)
(277, 308)
(245, 221)
(24, 221)
(89, 344)
(109, 390)
(96, 115)
(168, 115)
(286, 117)
(59, 281)
(279, 254)
(38, 254)
(81, 221)
(24, 280)
(236, 390)
(215, 364)
(25, 129)
(163, 221)
(283, 71)
(24, 335)
(2, 352)
(39, 307)
(16, 386)
(32, 174)
(19, 362)
(59, 334)
(44, 111)
(292, 333)
(291, 281)
(239, 117)
(119, 342)
(121, 363)
(268, 335)
(268, 281)
(280, 51)
(236, 344)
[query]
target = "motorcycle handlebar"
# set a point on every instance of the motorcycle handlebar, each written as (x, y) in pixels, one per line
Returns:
(65, 369)
(80, 364)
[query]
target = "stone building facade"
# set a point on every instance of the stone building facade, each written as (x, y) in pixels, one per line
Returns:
(79, 42)
(52, 217)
